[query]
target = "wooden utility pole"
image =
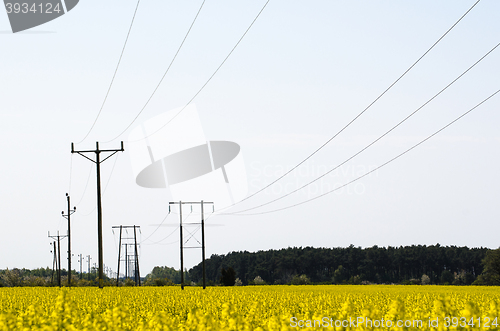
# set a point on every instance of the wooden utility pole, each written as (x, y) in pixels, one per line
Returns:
(88, 270)
(137, 273)
(68, 217)
(119, 254)
(182, 249)
(58, 260)
(98, 162)
(203, 245)
(54, 262)
(80, 260)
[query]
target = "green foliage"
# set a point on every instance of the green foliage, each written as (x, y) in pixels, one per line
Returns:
(228, 277)
(491, 272)
(339, 275)
(447, 277)
(354, 280)
(377, 265)
(300, 280)
(12, 278)
(167, 273)
(128, 282)
(257, 281)
(425, 280)
(158, 282)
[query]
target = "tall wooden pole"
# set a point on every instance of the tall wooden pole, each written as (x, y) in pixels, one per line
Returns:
(68, 217)
(98, 161)
(182, 249)
(203, 244)
(137, 273)
(59, 259)
(119, 254)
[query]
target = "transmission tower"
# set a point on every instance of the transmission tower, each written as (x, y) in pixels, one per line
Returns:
(131, 256)
(202, 224)
(58, 249)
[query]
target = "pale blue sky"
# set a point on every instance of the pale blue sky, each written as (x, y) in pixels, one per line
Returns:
(304, 70)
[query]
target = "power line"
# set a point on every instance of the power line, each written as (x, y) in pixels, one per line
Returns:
(110, 174)
(373, 170)
(86, 184)
(70, 173)
(161, 80)
(107, 183)
(159, 225)
(114, 75)
(209, 79)
(361, 113)
(159, 242)
(376, 140)
(155, 229)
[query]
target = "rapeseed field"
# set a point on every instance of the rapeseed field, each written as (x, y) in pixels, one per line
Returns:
(371, 307)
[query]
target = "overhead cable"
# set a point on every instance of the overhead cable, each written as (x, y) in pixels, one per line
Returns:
(114, 74)
(373, 170)
(362, 112)
(161, 80)
(376, 140)
(206, 83)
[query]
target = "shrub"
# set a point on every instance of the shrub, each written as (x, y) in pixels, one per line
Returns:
(425, 280)
(300, 280)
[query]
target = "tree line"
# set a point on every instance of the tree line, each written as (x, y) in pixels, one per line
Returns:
(48, 277)
(414, 264)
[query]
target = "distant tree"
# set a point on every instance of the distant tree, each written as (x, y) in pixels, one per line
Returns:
(257, 281)
(12, 278)
(339, 275)
(469, 278)
(447, 277)
(238, 282)
(158, 282)
(128, 282)
(228, 277)
(354, 280)
(425, 280)
(166, 273)
(491, 271)
(321, 265)
(35, 281)
(300, 280)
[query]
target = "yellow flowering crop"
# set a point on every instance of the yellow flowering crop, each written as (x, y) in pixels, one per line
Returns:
(371, 307)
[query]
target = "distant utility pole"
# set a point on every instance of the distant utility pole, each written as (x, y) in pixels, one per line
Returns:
(180, 203)
(58, 255)
(137, 277)
(68, 217)
(119, 252)
(98, 162)
(80, 260)
(54, 261)
(88, 270)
